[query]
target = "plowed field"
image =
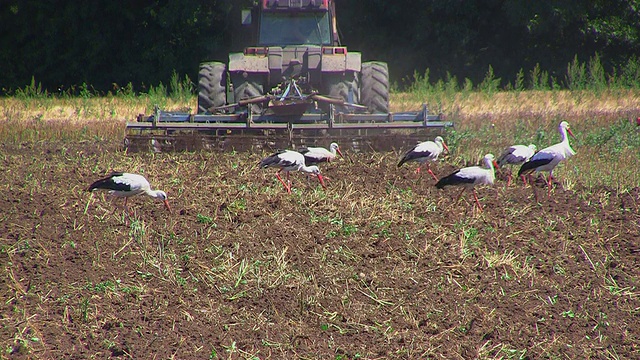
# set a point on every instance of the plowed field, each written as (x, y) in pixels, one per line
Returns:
(380, 265)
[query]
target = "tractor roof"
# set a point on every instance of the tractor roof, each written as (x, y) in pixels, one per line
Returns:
(284, 5)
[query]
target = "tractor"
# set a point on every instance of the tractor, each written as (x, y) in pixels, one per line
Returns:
(295, 85)
(297, 54)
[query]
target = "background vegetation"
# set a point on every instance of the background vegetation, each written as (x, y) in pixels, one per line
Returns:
(116, 46)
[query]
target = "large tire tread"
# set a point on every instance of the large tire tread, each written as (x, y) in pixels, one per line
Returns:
(212, 86)
(249, 88)
(374, 93)
(342, 86)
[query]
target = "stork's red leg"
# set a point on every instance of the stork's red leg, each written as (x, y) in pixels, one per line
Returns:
(321, 179)
(282, 181)
(524, 180)
(431, 172)
(549, 186)
(475, 196)
(509, 179)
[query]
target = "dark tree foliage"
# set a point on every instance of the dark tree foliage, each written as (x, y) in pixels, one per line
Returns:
(107, 42)
(463, 38)
(101, 43)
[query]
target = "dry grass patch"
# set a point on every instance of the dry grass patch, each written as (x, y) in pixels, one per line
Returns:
(503, 105)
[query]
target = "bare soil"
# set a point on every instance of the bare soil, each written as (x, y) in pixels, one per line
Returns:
(381, 265)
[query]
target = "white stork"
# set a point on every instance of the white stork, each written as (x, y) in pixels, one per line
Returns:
(469, 177)
(548, 158)
(287, 161)
(126, 185)
(516, 155)
(317, 155)
(425, 152)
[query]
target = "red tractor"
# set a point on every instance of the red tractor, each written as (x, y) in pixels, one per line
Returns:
(294, 86)
(298, 56)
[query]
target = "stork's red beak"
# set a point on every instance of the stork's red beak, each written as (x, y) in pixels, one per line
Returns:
(571, 133)
(340, 152)
(166, 204)
(495, 164)
(322, 181)
(445, 146)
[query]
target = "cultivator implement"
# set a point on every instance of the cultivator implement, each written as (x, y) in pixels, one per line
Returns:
(281, 127)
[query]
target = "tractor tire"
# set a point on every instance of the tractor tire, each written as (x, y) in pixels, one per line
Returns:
(342, 86)
(212, 86)
(247, 88)
(374, 92)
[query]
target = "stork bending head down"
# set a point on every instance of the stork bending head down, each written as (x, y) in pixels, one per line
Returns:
(126, 185)
(516, 155)
(317, 155)
(287, 161)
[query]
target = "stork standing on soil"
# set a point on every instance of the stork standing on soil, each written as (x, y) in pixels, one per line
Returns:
(127, 185)
(287, 161)
(516, 155)
(425, 152)
(548, 158)
(317, 155)
(469, 177)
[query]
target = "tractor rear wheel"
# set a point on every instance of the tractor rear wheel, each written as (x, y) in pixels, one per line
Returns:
(212, 86)
(374, 93)
(343, 86)
(247, 87)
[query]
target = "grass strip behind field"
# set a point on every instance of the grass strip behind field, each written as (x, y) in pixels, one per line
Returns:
(607, 144)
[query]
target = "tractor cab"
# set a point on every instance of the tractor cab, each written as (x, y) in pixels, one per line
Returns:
(296, 22)
(295, 53)
(300, 28)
